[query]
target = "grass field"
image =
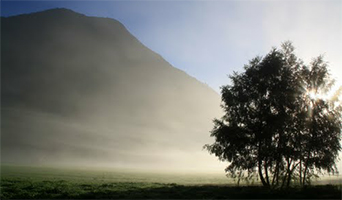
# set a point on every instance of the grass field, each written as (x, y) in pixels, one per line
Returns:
(25, 182)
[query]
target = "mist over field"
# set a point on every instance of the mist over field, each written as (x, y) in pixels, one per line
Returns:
(170, 99)
(82, 91)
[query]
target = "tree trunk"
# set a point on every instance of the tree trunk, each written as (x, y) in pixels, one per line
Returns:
(289, 176)
(300, 172)
(278, 173)
(304, 175)
(287, 172)
(264, 183)
(275, 175)
(291, 172)
(266, 173)
(284, 179)
(305, 169)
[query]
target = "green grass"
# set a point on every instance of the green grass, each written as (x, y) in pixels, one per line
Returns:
(18, 182)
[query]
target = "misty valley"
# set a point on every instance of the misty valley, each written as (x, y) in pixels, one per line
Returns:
(90, 112)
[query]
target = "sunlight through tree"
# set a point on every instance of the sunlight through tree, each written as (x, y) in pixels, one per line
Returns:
(279, 124)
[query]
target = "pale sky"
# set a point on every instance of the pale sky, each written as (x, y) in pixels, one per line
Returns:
(211, 39)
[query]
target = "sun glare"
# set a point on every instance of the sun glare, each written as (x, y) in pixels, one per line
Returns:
(314, 95)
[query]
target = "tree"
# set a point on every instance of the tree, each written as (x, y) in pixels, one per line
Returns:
(320, 132)
(277, 125)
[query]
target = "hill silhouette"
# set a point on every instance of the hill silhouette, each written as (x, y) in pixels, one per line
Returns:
(79, 90)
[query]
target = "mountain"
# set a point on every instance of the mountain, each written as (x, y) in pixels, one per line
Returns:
(79, 90)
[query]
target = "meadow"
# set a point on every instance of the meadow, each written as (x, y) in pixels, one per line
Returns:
(25, 182)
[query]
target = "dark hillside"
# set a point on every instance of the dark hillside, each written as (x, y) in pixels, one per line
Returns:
(82, 90)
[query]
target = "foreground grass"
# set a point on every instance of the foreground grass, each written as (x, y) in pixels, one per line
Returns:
(18, 182)
(59, 189)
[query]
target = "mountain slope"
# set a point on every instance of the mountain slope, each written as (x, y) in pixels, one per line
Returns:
(80, 90)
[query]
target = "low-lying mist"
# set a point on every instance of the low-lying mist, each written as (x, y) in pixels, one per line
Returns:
(82, 91)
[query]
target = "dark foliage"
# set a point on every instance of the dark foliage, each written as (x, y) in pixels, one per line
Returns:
(277, 124)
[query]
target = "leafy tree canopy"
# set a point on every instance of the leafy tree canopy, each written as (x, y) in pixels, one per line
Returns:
(278, 126)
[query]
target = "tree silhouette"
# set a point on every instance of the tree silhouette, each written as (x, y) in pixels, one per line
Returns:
(277, 125)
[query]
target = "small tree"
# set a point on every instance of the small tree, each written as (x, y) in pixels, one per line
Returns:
(274, 127)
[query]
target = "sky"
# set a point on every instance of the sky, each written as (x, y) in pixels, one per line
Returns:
(211, 39)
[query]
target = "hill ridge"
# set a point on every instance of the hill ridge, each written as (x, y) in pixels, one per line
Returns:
(84, 90)
(62, 11)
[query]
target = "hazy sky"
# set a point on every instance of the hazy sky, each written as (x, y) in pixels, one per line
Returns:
(211, 39)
